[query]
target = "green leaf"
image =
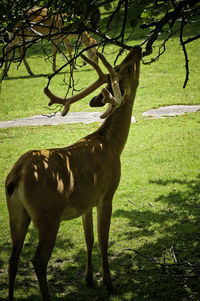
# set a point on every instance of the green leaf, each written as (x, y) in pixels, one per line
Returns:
(107, 6)
(145, 14)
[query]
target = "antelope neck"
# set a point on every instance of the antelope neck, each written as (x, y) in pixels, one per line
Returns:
(115, 128)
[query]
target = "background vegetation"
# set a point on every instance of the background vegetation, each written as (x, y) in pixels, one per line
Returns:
(154, 237)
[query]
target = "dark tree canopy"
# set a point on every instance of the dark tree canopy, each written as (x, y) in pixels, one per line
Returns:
(124, 18)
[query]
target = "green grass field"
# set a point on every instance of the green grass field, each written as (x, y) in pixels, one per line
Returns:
(154, 238)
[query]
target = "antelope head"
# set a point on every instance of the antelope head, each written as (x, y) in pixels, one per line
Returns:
(128, 71)
(121, 81)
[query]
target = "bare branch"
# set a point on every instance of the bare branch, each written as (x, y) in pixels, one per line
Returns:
(161, 49)
(124, 21)
(107, 39)
(171, 16)
(192, 39)
(185, 52)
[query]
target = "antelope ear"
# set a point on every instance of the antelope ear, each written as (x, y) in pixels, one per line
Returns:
(97, 101)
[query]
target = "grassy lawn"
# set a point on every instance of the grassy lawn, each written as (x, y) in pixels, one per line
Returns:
(154, 237)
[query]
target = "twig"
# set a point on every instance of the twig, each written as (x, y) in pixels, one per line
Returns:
(184, 51)
(107, 39)
(70, 62)
(171, 16)
(56, 110)
(192, 39)
(161, 50)
(124, 21)
(153, 260)
(114, 13)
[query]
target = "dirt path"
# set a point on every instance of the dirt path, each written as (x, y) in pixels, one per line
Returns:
(171, 111)
(73, 117)
(89, 117)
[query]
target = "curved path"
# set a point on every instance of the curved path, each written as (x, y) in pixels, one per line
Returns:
(171, 111)
(73, 117)
(89, 117)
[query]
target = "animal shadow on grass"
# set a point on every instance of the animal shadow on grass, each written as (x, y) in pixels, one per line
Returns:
(23, 280)
(65, 274)
(39, 75)
(166, 268)
(28, 76)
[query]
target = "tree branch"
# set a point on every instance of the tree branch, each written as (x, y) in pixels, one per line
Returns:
(185, 52)
(169, 16)
(192, 39)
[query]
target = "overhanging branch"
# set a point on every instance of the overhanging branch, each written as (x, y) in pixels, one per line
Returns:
(185, 52)
(169, 18)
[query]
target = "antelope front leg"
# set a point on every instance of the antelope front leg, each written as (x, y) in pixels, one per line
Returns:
(18, 229)
(5, 70)
(68, 47)
(104, 211)
(28, 68)
(7, 55)
(89, 239)
(54, 52)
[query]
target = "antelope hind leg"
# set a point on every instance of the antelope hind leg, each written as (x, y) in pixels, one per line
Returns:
(19, 223)
(28, 68)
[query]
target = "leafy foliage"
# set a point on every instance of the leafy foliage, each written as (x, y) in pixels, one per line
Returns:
(155, 19)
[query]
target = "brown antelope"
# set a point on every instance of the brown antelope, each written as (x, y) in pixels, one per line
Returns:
(40, 24)
(51, 185)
